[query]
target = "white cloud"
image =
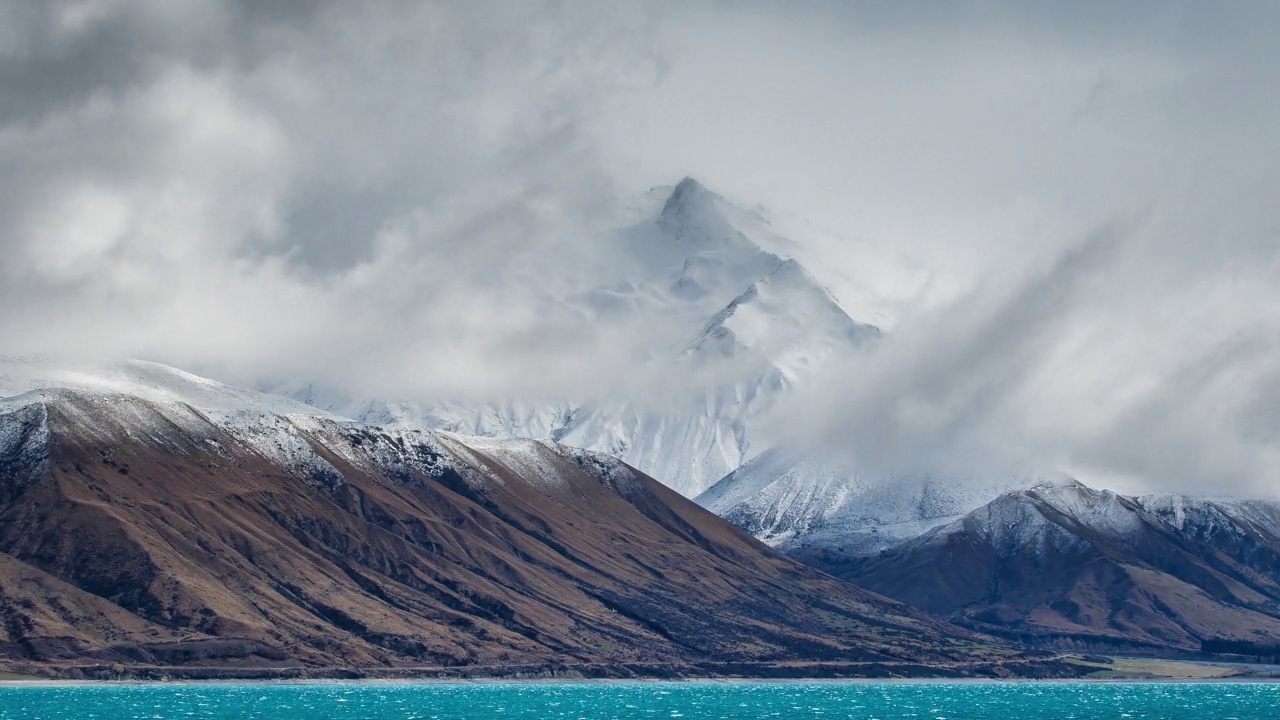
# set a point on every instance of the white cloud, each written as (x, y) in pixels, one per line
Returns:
(1071, 208)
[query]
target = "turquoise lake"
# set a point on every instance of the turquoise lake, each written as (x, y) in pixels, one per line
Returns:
(692, 701)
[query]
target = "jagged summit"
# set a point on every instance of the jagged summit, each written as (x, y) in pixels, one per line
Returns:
(687, 197)
(1058, 483)
(696, 217)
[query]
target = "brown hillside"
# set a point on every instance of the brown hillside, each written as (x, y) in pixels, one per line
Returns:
(138, 532)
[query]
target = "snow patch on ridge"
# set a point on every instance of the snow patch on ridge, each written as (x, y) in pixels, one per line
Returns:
(614, 473)
(279, 440)
(528, 459)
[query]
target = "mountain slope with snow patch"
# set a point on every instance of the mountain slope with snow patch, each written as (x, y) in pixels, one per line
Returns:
(161, 522)
(1064, 565)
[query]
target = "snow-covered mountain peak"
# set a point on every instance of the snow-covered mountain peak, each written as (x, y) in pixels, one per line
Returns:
(1046, 517)
(694, 217)
(1090, 507)
(727, 318)
(1067, 507)
(1058, 484)
(1066, 493)
(712, 259)
(690, 204)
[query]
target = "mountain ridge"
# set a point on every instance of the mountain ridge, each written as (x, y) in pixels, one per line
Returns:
(161, 536)
(1064, 565)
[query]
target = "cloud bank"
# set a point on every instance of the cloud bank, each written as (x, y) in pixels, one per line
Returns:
(1070, 208)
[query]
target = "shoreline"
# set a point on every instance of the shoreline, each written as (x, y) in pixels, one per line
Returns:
(1061, 669)
(437, 682)
(48, 684)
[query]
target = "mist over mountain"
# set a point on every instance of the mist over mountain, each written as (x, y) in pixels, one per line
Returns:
(723, 329)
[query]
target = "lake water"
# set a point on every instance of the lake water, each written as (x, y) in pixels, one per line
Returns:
(691, 701)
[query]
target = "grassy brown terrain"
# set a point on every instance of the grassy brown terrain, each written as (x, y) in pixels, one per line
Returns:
(1154, 669)
(151, 537)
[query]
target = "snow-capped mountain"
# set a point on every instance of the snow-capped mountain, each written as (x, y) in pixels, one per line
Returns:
(797, 503)
(737, 322)
(154, 520)
(1066, 565)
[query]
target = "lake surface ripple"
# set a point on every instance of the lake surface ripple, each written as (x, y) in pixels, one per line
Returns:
(623, 701)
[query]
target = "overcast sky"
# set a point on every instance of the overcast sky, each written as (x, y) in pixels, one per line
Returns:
(339, 190)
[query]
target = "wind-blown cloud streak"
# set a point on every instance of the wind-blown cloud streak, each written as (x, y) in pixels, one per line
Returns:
(1105, 365)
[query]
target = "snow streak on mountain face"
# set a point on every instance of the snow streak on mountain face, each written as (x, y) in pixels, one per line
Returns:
(733, 320)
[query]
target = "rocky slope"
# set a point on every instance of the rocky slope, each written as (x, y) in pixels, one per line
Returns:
(153, 519)
(1067, 566)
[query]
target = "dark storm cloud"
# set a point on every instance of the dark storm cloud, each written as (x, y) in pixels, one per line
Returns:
(246, 184)
(59, 54)
(378, 110)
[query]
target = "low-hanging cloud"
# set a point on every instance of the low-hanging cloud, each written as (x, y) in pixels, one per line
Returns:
(388, 197)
